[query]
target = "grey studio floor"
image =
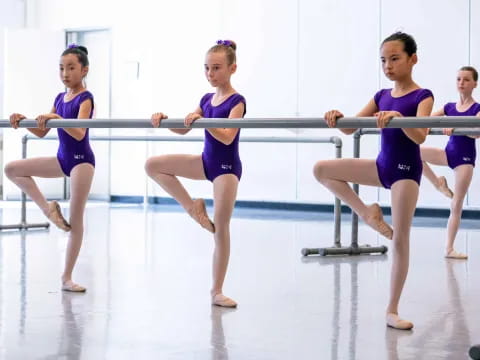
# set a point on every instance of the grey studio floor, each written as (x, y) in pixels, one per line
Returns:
(147, 270)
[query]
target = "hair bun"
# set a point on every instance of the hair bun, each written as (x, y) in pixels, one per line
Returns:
(83, 48)
(228, 43)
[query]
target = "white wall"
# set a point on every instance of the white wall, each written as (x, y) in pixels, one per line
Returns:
(11, 16)
(31, 85)
(474, 196)
(296, 58)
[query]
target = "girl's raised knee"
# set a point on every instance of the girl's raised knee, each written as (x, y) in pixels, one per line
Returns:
(10, 170)
(150, 167)
(318, 170)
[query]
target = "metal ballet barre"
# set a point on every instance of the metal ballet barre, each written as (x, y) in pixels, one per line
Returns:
(346, 122)
(311, 123)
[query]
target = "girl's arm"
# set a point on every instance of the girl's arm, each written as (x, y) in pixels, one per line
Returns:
(441, 112)
(226, 136)
(332, 116)
(41, 132)
(15, 121)
(419, 135)
(476, 136)
(369, 110)
(84, 113)
(77, 133)
(189, 119)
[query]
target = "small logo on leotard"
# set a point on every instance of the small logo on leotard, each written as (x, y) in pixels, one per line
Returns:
(78, 156)
(226, 167)
(403, 167)
(466, 159)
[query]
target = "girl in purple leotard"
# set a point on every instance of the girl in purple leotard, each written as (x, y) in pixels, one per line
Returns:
(459, 155)
(220, 162)
(74, 157)
(398, 165)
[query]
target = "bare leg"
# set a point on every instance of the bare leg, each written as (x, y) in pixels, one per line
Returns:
(224, 193)
(335, 175)
(463, 178)
(404, 200)
(164, 171)
(80, 184)
(20, 172)
(435, 156)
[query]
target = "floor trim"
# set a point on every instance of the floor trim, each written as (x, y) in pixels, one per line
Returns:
(421, 211)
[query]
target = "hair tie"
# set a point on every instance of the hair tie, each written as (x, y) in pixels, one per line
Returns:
(73, 46)
(224, 42)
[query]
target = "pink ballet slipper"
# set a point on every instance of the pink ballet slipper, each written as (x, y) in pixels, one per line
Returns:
(72, 287)
(223, 301)
(374, 219)
(55, 216)
(394, 321)
(443, 187)
(452, 254)
(198, 212)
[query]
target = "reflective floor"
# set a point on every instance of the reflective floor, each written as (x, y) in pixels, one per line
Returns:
(148, 279)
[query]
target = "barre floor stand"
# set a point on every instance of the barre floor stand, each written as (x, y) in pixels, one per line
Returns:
(337, 249)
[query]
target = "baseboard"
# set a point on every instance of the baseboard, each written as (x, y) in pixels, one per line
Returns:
(272, 205)
(129, 199)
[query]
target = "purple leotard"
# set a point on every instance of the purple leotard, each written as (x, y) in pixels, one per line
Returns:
(218, 158)
(72, 152)
(399, 157)
(460, 150)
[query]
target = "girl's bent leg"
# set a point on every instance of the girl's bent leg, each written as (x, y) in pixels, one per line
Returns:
(437, 157)
(21, 172)
(164, 170)
(335, 175)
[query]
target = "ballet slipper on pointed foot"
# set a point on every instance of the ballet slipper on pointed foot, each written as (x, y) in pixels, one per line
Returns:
(223, 301)
(443, 187)
(55, 216)
(198, 211)
(374, 219)
(394, 321)
(452, 254)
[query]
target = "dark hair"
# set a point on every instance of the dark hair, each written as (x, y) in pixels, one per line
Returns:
(472, 70)
(227, 46)
(80, 51)
(409, 44)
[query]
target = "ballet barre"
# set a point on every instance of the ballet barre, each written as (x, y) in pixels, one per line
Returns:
(23, 225)
(259, 123)
(356, 154)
